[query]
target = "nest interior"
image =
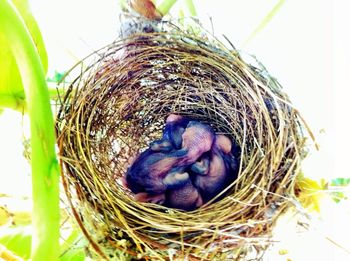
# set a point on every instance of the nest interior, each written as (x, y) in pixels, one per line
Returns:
(117, 104)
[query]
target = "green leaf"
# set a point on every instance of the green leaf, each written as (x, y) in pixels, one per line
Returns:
(73, 254)
(73, 248)
(57, 77)
(18, 240)
(11, 87)
(340, 182)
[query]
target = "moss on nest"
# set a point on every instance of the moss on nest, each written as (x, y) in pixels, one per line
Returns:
(117, 105)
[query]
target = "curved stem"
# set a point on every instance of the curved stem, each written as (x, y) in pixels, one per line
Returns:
(264, 22)
(165, 6)
(45, 170)
(191, 8)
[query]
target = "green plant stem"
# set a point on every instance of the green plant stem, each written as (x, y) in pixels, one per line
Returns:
(191, 8)
(45, 170)
(165, 6)
(264, 22)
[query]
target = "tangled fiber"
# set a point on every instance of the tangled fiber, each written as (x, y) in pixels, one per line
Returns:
(117, 105)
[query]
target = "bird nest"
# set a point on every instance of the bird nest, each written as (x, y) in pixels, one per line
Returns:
(117, 104)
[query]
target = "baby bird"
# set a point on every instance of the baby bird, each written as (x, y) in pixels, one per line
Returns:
(150, 198)
(196, 140)
(174, 128)
(154, 172)
(185, 197)
(172, 134)
(187, 167)
(216, 169)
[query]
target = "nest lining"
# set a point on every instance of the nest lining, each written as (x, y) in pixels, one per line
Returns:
(117, 105)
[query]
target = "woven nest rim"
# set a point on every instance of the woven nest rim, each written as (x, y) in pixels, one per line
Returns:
(208, 82)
